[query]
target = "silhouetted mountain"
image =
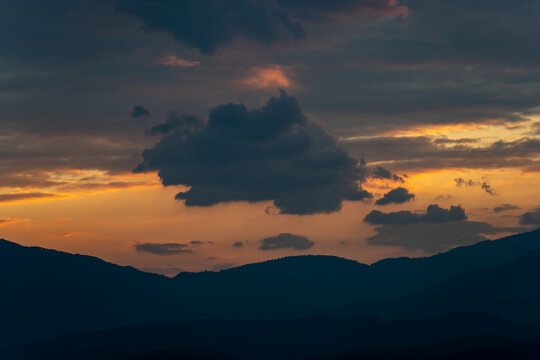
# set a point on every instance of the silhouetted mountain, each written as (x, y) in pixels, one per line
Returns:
(50, 292)
(301, 338)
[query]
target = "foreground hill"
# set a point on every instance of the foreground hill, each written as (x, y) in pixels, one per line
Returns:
(300, 338)
(49, 292)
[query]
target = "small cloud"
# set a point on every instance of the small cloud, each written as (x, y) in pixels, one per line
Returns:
(286, 241)
(139, 111)
(396, 196)
(163, 249)
(381, 173)
(505, 207)
(267, 77)
(175, 61)
(461, 182)
(444, 197)
(238, 244)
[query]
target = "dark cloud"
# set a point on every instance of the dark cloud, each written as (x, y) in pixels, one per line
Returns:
(270, 154)
(210, 24)
(505, 207)
(238, 244)
(462, 182)
(139, 111)
(24, 196)
(433, 214)
(286, 241)
(435, 237)
(397, 196)
(163, 249)
(175, 122)
(381, 173)
(530, 217)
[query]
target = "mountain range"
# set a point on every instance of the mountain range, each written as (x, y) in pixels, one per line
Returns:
(55, 300)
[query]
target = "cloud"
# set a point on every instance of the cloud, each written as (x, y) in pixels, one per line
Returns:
(238, 244)
(210, 24)
(381, 173)
(24, 196)
(435, 237)
(175, 61)
(286, 241)
(397, 196)
(313, 10)
(484, 184)
(420, 153)
(139, 111)
(530, 217)
(433, 214)
(505, 207)
(270, 154)
(163, 249)
(268, 77)
(182, 123)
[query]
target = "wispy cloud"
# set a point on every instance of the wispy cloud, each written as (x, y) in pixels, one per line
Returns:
(175, 61)
(267, 77)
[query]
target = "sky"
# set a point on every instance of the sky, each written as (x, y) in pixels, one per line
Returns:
(201, 135)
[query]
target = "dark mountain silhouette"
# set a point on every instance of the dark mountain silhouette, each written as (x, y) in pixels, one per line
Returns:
(300, 338)
(48, 293)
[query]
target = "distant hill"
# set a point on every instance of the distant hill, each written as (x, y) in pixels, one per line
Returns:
(49, 292)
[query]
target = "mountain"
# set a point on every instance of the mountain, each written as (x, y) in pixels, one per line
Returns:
(300, 338)
(50, 292)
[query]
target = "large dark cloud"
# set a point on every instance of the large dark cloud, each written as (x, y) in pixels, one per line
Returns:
(273, 153)
(184, 123)
(435, 237)
(530, 217)
(286, 241)
(210, 24)
(433, 214)
(397, 196)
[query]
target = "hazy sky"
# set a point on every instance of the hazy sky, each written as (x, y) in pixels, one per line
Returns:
(278, 125)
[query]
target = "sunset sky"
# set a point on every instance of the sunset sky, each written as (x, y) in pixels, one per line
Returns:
(278, 125)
